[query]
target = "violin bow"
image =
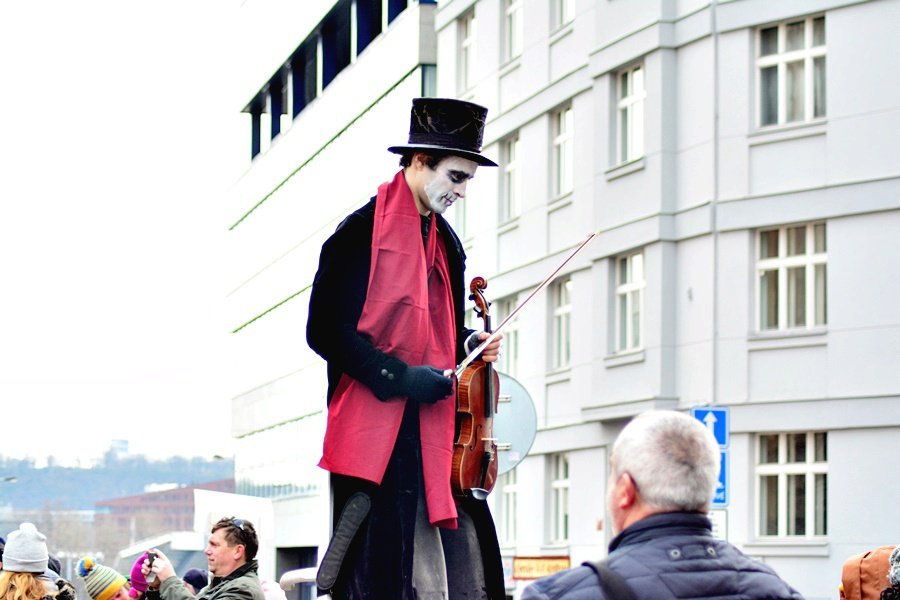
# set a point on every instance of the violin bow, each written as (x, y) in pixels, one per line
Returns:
(474, 354)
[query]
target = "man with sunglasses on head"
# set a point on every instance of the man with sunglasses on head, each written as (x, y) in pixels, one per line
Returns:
(231, 556)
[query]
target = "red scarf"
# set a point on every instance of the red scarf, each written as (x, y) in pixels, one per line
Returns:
(408, 314)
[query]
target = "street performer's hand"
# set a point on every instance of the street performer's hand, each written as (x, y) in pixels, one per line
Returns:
(491, 352)
(426, 384)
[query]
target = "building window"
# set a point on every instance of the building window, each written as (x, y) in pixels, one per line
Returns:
(563, 158)
(559, 498)
(509, 357)
(629, 300)
(511, 191)
(791, 271)
(512, 30)
(466, 76)
(630, 108)
(335, 43)
(561, 352)
(790, 68)
(562, 13)
(394, 8)
(792, 480)
(508, 490)
(367, 23)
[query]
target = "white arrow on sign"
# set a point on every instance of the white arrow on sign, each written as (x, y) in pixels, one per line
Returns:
(710, 420)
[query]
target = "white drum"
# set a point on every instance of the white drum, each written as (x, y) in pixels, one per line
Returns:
(515, 423)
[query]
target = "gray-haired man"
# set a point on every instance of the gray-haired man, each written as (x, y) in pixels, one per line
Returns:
(663, 472)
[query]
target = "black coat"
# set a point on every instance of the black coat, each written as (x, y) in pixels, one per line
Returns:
(385, 540)
(338, 296)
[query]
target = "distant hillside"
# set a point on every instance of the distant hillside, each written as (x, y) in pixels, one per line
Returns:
(78, 489)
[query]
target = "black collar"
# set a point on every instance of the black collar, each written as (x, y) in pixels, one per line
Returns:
(662, 524)
(239, 572)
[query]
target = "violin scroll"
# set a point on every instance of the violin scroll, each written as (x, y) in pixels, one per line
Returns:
(482, 306)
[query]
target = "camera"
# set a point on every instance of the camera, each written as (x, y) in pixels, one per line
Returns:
(151, 576)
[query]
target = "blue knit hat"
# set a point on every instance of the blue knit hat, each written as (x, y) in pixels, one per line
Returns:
(198, 578)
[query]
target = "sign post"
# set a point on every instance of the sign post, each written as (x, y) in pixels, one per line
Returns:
(718, 421)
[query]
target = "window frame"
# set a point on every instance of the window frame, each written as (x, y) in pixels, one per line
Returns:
(562, 12)
(630, 113)
(782, 264)
(466, 59)
(511, 182)
(809, 468)
(561, 324)
(780, 59)
(560, 485)
(509, 489)
(512, 30)
(625, 291)
(563, 152)
(509, 358)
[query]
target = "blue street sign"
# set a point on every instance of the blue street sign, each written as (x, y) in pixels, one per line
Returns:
(716, 420)
(720, 498)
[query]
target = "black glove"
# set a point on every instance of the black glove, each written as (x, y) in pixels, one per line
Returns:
(425, 384)
(66, 590)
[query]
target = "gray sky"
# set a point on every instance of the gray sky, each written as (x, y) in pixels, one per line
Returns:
(120, 133)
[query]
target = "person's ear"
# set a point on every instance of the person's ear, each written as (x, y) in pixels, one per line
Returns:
(626, 491)
(420, 161)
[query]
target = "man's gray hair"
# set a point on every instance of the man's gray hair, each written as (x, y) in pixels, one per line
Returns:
(672, 458)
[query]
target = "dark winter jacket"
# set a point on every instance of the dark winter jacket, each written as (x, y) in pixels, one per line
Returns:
(668, 556)
(240, 584)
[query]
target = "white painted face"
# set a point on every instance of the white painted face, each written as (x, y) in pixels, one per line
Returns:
(446, 183)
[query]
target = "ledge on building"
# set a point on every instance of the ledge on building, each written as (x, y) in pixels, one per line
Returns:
(510, 66)
(558, 374)
(791, 131)
(622, 169)
(627, 409)
(561, 32)
(791, 548)
(787, 338)
(559, 202)
(508, 225)
(629, 357)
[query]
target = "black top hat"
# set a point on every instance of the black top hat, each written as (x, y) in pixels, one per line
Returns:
(448, 125)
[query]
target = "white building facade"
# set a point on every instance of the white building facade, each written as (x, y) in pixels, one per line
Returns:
(739, 163)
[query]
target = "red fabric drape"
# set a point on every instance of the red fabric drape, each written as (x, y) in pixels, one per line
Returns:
(408, 313)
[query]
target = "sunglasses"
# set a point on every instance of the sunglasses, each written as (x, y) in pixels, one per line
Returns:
(241, 526)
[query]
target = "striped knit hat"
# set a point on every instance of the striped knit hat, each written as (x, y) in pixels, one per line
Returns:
(101, 582)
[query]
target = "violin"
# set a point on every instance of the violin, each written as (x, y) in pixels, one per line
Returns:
(475, 461)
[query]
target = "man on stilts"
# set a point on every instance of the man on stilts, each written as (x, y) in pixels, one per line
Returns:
(386, 313)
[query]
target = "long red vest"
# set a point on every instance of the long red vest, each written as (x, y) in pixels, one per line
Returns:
(408, 313)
